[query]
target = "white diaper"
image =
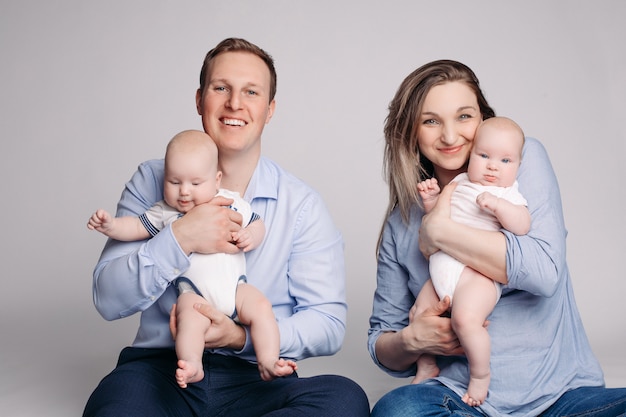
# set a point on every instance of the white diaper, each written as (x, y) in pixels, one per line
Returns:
(445, 272)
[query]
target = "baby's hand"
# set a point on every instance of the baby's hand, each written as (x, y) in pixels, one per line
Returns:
(243, 239)
(100, 221)
(487, 201)
(428, 189)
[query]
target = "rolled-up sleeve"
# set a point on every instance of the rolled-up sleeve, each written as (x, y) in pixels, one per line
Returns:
(402, 270)
(535, 261)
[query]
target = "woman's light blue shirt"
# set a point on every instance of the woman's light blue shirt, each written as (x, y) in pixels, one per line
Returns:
(539, 348)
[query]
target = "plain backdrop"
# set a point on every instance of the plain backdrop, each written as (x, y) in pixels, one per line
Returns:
(90, 89)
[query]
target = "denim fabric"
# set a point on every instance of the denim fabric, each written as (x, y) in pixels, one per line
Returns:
(590, 402)
(438, 400)
(143, 384)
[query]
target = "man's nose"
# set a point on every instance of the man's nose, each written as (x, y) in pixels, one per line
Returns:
(234, 101)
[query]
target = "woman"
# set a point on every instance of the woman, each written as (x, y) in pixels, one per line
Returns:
(541, 361)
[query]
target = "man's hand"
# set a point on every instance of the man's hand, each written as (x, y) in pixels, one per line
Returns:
(223, 331)
(208, 228)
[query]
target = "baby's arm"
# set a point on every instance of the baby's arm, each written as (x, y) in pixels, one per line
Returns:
(126, 228)
(429, 191)
(513, 217)
(251, 236)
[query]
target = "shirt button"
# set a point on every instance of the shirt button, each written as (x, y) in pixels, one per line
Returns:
(176, 272)
(152, 298)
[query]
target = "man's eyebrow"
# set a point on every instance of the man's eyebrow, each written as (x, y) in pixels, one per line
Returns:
(225, 81)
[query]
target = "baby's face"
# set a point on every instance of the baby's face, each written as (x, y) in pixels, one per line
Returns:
(190, 179)
(495, 157)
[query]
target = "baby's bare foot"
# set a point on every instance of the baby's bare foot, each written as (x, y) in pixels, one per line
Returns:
(188, 373)
(426, 368)
(424, 373)
(281, 367)
(477, 391)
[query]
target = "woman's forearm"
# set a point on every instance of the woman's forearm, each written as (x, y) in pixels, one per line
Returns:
(391, 352)
(482, 250)
(427, 333)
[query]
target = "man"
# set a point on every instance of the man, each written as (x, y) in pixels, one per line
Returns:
(299, 268)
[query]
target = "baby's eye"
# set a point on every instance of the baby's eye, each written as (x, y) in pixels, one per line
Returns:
(484, 155)
(506, 160)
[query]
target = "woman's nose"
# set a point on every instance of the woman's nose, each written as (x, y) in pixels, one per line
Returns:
(448, 136)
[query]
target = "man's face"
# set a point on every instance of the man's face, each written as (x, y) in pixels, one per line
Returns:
(235, 104)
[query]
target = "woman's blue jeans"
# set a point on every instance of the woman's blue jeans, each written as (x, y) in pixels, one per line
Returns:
(439, 400)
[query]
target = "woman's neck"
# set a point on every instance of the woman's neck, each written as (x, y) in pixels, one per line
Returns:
(445, 176)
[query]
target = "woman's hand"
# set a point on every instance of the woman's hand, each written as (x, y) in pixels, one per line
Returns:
(433, 223)
(223, 331)
(429, 332)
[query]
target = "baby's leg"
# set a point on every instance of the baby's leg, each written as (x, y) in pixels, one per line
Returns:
(255, 310)
(474, 299)
(190, 329)
(426, 364)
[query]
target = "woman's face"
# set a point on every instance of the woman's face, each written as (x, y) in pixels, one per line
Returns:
(446, 128)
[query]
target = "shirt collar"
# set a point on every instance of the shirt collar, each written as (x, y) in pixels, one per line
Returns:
(264, 181)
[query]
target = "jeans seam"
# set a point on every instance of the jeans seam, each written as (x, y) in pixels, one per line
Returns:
(448, 399)
(597, 410)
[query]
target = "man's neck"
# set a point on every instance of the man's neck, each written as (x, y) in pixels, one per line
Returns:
(237, 171)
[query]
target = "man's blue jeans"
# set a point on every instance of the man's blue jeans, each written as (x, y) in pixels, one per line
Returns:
(439, 400)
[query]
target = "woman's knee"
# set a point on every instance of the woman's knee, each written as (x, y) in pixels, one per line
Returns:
(417, 400)
(396, 403)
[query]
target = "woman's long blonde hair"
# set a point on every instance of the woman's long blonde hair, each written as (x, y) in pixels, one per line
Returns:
(403, 164)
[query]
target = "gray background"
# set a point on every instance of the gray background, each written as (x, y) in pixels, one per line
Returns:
(90, 89)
